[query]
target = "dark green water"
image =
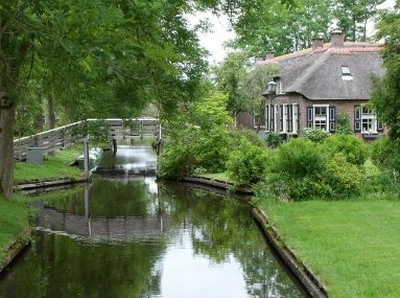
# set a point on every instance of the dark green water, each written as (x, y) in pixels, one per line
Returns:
(133, 237)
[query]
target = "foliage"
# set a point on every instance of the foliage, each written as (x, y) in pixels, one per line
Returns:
(254, 84)
(353, 148)
(260, 27)
(301, 170)
(247, 163)
(299, 158)
(228, 77)
(342, 177)
(315, 135)
(270, 26)
(273, 139)
(240, 135)
(198, 140)
(385, 155)
(385, 98)
(343, 124)
(353, 16)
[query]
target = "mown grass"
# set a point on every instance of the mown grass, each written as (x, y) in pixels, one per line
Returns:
(53, 167)
(353, 246)
(14, 214)
(14, 218)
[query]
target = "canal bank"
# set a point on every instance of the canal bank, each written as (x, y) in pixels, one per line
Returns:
(300, 271)
(309, 283)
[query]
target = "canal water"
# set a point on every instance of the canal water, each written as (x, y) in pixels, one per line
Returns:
(130, 236)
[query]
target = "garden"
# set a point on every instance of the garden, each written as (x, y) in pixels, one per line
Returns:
(333, 198)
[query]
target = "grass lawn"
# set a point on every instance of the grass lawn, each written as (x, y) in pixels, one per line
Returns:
(353, 246)
(53, 167)
(13, 220)
(14, 214)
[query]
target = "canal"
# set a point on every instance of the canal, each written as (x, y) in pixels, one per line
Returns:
(127, 235)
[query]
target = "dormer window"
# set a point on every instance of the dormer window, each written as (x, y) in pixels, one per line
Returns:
(346, 74)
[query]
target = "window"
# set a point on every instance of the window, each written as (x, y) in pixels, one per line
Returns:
(322, 117)
(346, 74)
(289, 118)
(365, 121)
(270, 117)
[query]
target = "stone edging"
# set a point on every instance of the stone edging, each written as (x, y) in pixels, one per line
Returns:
(304, 274)
(47, 184)
(219, 184)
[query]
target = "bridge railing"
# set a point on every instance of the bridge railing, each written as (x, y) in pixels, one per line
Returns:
(67, 135)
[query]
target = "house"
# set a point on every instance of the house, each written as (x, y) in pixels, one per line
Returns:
(319, 83)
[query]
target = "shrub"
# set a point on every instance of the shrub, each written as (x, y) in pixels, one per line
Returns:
(342, 124)
(273, 140)
(175, 161)
(247, 164)
(212, 149)
(343, 177)
(247, 134)
(385, 155)
(315, 135)
(299, 158)
(354, 149)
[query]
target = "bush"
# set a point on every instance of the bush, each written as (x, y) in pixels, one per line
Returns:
(299, 158)
(247, 164)
(343, 177)
(354, 149)
(273, 140)
(211, 150)
(174, 162)
(246, 134)
(315, 135)
(342, 124)
(385, 155)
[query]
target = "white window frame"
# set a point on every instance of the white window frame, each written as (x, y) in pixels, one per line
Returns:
(318, 118)
(369, 122)
(294, 118)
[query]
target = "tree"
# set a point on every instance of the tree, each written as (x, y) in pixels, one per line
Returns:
(229, 76)
(111, 56)
(273, 27)
(386, 93)
(254, 84)
(353, 16)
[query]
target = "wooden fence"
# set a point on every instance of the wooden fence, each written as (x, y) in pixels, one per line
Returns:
(64, 136)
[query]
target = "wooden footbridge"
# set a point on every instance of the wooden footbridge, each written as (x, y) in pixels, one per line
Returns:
(64, 136)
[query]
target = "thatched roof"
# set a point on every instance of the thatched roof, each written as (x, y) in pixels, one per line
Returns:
(331, 72)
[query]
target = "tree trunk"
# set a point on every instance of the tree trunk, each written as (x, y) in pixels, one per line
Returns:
(52, 114)
(7, 120)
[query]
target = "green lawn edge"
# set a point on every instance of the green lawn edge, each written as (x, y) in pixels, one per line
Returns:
(351, 245)
(15, 213)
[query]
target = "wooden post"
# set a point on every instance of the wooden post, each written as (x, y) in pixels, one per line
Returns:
(86, 157)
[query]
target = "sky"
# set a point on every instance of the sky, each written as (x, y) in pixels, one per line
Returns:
(214, 41)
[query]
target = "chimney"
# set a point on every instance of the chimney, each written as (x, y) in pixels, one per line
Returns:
(337, 39)
(318, 41)
(269, 55)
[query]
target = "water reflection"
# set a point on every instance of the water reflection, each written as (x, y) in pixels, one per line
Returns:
(136, 238)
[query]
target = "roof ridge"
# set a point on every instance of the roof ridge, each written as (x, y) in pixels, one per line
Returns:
(346, 49)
